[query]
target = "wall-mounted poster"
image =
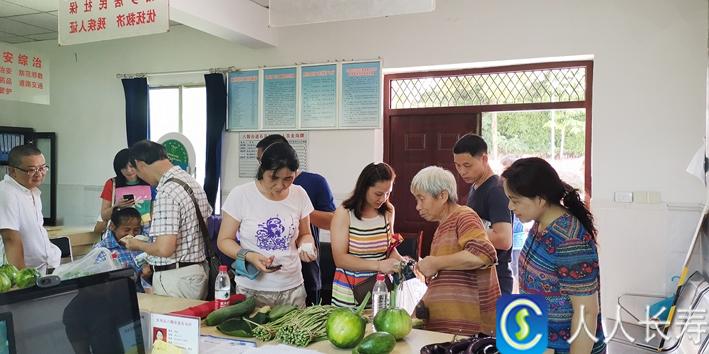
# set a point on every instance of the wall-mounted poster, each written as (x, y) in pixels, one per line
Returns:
(318, 92)
(361, 95)
(248, 165)
(279, 98)
(243, 100)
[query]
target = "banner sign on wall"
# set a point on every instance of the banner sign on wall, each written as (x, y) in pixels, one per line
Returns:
(24, 75)
(83, 21)
(248, 165)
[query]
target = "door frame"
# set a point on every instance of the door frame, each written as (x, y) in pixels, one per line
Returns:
(585, 104)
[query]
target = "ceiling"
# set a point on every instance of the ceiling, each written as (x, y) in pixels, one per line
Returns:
(27, 20)
(36, 20)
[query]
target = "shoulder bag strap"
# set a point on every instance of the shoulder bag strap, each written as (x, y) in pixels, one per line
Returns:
(209, 251)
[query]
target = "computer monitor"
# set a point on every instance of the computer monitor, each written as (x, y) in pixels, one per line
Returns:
(93, 314)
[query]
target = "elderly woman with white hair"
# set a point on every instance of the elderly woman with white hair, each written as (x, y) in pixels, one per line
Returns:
(463, 287)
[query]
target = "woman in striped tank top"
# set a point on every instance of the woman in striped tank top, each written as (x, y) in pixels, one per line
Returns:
(360, 233)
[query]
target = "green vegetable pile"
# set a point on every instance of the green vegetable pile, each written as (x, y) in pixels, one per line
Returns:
(306, 326)
(296, 327)
(10, 276)
(267, 331)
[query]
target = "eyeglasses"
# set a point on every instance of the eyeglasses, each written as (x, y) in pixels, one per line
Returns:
(33, 170)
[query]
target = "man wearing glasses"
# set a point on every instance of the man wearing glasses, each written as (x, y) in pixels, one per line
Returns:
(25, 240)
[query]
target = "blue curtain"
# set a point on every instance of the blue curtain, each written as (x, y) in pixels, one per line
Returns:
(137, 109)
(216, 120)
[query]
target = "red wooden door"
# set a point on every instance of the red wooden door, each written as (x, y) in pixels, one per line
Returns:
(415, 141)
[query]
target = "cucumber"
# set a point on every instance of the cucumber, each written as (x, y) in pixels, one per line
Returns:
(243, 308)
(279, 311)
(376, 343)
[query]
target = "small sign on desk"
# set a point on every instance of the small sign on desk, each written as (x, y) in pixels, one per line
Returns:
(181, 331)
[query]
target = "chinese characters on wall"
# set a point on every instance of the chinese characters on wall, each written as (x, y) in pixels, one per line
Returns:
(24, 75)
(82, 21)
(248, 165)
(324, 96)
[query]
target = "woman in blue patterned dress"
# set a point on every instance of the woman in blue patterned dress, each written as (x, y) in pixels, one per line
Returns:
(559, 259)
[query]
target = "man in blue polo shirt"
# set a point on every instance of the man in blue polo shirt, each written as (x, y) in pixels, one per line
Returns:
(321, 196)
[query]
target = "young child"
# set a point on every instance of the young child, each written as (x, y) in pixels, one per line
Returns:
(124, 222)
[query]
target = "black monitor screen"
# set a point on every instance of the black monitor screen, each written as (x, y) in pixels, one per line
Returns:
(96, 314)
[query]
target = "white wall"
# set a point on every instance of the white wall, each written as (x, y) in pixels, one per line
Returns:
(648, 102)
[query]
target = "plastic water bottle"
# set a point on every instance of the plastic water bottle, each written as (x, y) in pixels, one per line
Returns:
(222, 287)
(380, 295)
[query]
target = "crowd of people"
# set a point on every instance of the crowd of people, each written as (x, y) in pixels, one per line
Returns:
(270, 226)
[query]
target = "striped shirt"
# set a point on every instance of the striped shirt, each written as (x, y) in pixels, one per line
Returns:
(368, 239)
(462, 301)
(174, 214)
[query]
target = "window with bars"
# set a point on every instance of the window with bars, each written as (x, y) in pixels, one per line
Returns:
(496, 88)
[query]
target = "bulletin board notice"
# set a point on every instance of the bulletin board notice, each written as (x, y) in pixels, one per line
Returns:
(279, 98)
(361, 95)
(318, 87)
(248, 165)
(243, 100)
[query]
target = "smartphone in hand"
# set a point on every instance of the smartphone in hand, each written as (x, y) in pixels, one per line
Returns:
(274, 267)
(129, 197)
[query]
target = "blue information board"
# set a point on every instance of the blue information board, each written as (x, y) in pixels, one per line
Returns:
(243, 100)
(361, 95)
(279, 98)
(319, 96)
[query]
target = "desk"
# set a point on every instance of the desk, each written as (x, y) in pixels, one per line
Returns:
(410, 345)
(82, 238)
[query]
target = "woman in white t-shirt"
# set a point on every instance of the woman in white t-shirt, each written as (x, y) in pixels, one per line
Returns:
(271, 218)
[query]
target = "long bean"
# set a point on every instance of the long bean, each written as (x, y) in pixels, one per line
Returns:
(267, 331)
(307, 326)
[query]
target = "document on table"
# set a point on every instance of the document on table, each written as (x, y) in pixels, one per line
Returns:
(219, 345)
(280, 348)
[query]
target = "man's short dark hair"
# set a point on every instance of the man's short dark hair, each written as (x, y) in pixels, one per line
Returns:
(472, 144)
(20, 151)
(147, 151)
(270, 140)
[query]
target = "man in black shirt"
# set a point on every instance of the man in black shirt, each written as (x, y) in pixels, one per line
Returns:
(488, 199)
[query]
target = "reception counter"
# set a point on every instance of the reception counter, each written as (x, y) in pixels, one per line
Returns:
(409, 345)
